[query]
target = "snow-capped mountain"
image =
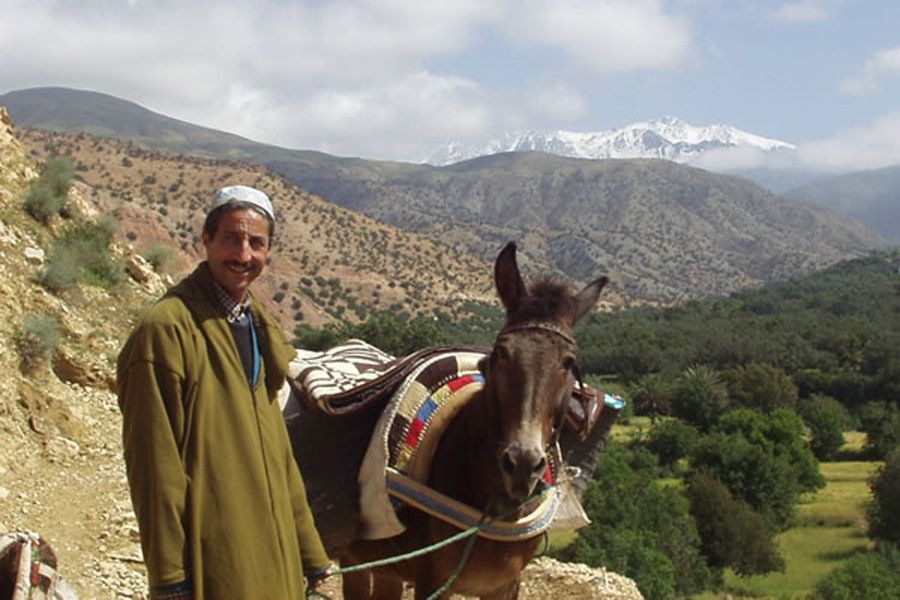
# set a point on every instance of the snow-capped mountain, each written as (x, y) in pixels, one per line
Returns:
(667, 138)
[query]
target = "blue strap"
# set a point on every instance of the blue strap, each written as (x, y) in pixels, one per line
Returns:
(255, 347)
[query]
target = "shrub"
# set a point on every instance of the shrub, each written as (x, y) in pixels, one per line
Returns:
(733, 534)
(762, 460)
(699, 397)
(47, 194)
(640, 529)
(881, 422)
(825, 418)
(82, 254)
(763, 387)
(882, 511)
(38, 340)
(158, 255)
(58, 173)
(61, 272)
(868, 575)
(672, 440)
(41, 203)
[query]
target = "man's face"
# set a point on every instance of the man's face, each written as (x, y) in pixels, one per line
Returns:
(237, 253)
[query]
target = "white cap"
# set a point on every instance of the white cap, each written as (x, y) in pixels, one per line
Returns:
(243, 193)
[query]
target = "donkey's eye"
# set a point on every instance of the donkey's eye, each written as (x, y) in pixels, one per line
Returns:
(568, 363)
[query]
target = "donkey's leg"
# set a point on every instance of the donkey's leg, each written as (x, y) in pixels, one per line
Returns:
(386, 588)
(356, 585)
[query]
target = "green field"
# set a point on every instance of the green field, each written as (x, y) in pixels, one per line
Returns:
(831, 527)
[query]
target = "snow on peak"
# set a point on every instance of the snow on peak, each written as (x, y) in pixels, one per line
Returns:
(668, 138)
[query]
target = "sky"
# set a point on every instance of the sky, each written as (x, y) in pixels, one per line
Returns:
(396, 79)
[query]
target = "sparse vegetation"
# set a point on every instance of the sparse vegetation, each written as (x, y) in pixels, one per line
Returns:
(82, 255)
(47, 194)
(38, 340)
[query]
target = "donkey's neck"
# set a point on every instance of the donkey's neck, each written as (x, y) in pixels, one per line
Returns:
(465, 462)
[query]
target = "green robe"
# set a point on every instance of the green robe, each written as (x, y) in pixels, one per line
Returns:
(217, 494)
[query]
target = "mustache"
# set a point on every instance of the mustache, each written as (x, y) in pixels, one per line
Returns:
(238, 264)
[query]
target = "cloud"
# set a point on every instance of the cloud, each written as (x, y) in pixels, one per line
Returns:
(607, 36)
(871, 146)
(865, 147)
(806, 11)
(880, 67)
(559, 102)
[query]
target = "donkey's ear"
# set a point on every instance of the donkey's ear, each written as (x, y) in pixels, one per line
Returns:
(510, 286)
(587, 298)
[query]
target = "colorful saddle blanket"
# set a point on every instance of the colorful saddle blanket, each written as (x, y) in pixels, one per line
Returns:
(347, 377)
(397, 465)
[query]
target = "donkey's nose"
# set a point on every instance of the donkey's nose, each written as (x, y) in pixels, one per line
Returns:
(524, 466)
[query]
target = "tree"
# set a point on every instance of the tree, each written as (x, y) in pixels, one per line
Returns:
(881, 422)
(671, 440)
(869, 575)
(652, 394)
(639, 528)
(733, 534)
(762, 386)
(762, 460)
(883, 511)
(699, 397)
(825, 418)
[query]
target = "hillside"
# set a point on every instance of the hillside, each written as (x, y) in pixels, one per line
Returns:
(871, 197)
(328, 263)
(664, 233)
(61, 469)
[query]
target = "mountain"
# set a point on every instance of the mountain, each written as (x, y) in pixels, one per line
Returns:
(667, 138)
(871, 197)
(664, 232)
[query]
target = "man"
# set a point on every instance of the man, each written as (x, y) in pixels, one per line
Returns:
(219, 499)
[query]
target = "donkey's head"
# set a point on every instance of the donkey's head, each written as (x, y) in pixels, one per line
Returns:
(531, 370)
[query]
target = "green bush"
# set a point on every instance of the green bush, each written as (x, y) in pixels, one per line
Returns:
(47, 194)
(58, 173)
(82, 255)
(883, 511)
(699, 397)
(825, 418)
(763, 460)
(881, 422)
(671, 440)
(158, 255)
(60, 273)
(870, 575)
(639, 528)
(38, 340)
(733, 534)
(41, 203)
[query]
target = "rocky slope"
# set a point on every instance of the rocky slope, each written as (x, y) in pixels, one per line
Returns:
(61, 468)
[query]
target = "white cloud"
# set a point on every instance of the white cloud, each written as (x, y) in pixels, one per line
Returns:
(880, 67)
(871, 146)
(559, 102)
(865, 147)
(607, 36)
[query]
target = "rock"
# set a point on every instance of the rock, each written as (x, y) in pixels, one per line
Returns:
(60, 449)
(34, 255)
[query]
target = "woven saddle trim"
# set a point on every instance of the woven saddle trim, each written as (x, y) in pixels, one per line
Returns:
(464, 516)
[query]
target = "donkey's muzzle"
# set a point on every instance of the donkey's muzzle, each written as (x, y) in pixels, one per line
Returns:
(522, 468)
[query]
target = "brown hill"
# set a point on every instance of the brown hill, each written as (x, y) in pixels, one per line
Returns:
(328, 262)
